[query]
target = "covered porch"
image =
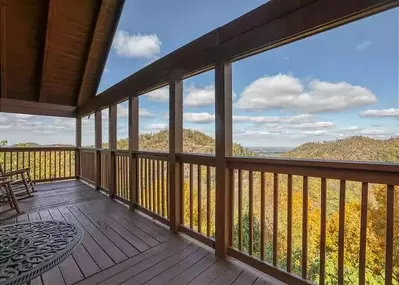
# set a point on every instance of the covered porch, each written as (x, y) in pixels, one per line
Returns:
(124, 247)
(134, 205)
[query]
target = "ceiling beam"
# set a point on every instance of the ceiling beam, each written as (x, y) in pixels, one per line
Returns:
(36, 108)
(3, 65)
(43, 60)
(276, 23)
(101, 40)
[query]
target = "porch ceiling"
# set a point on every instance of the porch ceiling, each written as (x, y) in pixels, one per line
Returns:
(53, 53)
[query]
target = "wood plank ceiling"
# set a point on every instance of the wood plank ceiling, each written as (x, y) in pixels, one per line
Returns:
(53, 52)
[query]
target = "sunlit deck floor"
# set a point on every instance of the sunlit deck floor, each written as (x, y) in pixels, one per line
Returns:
(123, 247)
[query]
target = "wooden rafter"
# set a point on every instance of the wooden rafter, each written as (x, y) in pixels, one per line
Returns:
(99, 47)
(3, 49)
(89, 54)
(51, 7)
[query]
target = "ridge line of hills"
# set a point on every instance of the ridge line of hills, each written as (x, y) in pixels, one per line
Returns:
(351, 148)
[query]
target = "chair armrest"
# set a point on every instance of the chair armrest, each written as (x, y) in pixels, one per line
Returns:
(14, 172)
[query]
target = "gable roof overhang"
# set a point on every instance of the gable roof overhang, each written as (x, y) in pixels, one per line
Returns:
(53, 52)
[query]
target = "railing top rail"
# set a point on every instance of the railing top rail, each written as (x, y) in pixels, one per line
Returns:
(41, 148)
(318, 163)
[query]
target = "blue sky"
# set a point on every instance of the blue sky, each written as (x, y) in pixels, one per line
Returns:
(336, 84)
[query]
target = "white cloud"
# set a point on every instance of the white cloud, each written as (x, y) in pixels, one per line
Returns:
(139, 46)
(287, 92)
(298, 119)
(161, 94)
(199, 118)
(200, 97)
(145, 113)
(158, 127)
(315, 125)
(122, 110)
(353, 128)
(381, 113)
(363, 45)
(316, 133)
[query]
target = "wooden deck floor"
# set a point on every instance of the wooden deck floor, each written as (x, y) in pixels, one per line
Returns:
(123, 247)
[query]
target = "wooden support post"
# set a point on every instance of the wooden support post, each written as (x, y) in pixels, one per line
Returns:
(223, 113)
(112, 146)
(98, 143)
(78, 145)
(133, 148)
(175, 146)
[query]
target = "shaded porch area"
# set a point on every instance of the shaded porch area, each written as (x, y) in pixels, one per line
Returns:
(124, 247)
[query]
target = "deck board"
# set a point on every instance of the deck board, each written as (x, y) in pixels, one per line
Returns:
(124, 247)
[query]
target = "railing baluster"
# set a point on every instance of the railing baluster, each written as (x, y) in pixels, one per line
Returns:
(251, 211)
(12, 166)
(34, 168)
(323, 230)
(239, 209)
(275, 217)
(59, 164)
(127, 173)
(167, 189)
(149, 184)
(159, 187)
(17, 166)
(153, 185)
(191, 196)
(121, 177)
(230, 187)
(120, 172)
(305, 228)
(262, 215)
(140, 174)
(389, 236)
(208, 201)
(199, 207)
(363, 234)
(45, 164)
(289, 223)
(164, 195)
(341, 237)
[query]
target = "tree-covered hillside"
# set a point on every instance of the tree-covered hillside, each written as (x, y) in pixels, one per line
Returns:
(193, 142)
(352, 148)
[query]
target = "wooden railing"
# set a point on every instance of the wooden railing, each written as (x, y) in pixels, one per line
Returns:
(153, 189)
(272, 180)
(269, 198)
(45, 163)
(264, 212)
(105, 170)
(198, 197)
(88, 164)
(122, 174)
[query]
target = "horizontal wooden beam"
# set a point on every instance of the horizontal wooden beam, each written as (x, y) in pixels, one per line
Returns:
(36, 108)
(273, 24)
